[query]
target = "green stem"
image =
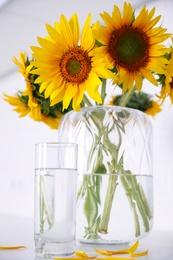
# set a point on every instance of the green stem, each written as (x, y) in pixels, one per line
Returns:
(134, 192)
(44, 209)
(136, 195)
(114, 168)
(145, 202)
(132, 205)
(126, 97)
(137, 198)
(103, 227)
(103, 90)
(86, 101)
(82, 189)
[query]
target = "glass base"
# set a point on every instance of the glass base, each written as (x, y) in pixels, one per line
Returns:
(89, 246)
(49, 250)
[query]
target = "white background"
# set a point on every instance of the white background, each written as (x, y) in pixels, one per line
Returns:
(21, 22)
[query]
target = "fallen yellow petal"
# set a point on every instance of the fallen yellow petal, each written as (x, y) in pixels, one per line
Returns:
(117, 252)
(11, 247)
(139, 254)
(92, 257)
(130, 250)
(126, 250)
(81, 253)
(103, 252)
(134, 246)
(84, 255)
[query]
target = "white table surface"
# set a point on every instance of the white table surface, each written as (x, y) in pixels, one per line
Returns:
(19, 231)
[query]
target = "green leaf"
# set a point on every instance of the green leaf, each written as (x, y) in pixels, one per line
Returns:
(90, 206)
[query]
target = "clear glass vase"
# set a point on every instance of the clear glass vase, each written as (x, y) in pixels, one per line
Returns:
(115, 186)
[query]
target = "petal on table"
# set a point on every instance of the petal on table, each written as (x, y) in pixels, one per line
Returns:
(11, 247)
(139, 253)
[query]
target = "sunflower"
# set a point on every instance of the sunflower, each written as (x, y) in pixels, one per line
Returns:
(139, 100)
(25, 107)
(132, 45)
(167, 85)
(65, 64)
(30, 102)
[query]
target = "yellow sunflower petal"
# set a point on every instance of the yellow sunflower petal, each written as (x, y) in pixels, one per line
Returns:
(138, 80)
(68, 96)
(93, 89)
(43, 87)
(74, 24)
(81, 253)
(126, 250)
(152, 23)
(116, 16)
(79, 95)
(127, 14)
(49, 46)
(156, 68)
(12, 247)
(57, 96)
(139, 253)
(56, 37)
(139, 21)
(12, 100)
(128, 82)
(84, 255)
(107, 19)
(87, 39)
(75, 106)
(148, 75)
(50, 88)
(102, 36)
(103, 252)
(22, 63)
(66, 31)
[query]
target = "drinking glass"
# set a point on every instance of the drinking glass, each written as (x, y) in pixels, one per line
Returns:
(55, 199)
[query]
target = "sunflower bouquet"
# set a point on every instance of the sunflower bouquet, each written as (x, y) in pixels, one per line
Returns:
(71, 67)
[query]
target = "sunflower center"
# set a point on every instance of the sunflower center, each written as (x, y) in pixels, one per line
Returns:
(129, 48)
(75, 66)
